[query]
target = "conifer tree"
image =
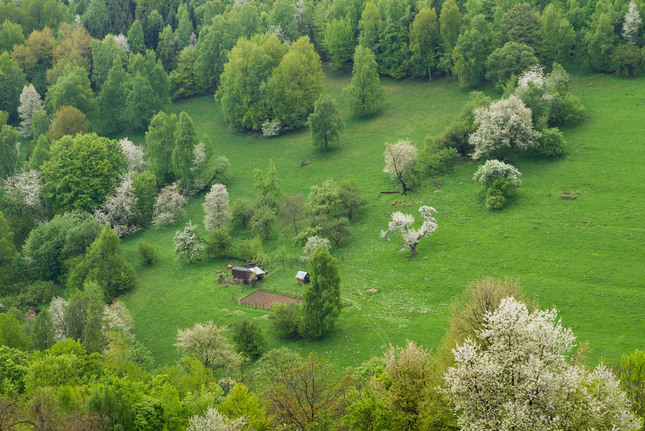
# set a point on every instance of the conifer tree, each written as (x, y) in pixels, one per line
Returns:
(321, 302)
(139, 111)
(364, 92)
(112, 99)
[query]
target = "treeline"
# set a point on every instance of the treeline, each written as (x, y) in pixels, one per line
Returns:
(501, 362)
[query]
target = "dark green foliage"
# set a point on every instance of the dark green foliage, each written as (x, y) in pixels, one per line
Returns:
(627, 60)
(9, 152)
(600, 41)
(424, 42)
(393, 46)
(12, 80)
(471, 51)
(145, 189)
(325, 124)
(521, 25)
(551, 143)
(105, 265)
(50, 244)
(8, 254)
(287, 320)
(185, 80)
(497, 193)
(135, 38)
(112, 100)
(321, 302)
(42, 334)
(340, 42)
(138, 109)
(248, 337)
(364, 93)
(72, 89)
(167, 48)
(82, 171)
(558, 35)
(147, 253)
(444, 159)
(104, 54)
(93, 337)
(39, 124)
(454, 136)
(512, 59)
(13, 368)
(149, 415)
(242, 211)
(11, 334)
(10, 34)
(160, 144)
(153, 28)
(40, 154)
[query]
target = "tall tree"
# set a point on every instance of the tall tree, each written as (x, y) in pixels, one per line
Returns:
(42, 336)
(558, 36)
(364, 91)
(424, 39)
(138, 109)
(7, 256)
(112, 100)
(12, 81)
(325, 123)
(268, 186)
(216, 207)
(30, 103)
(160, 143)
(72, 89)
(321, 299)
(68, 121)
(9, 151)
(104, 53)
(340, 42)
(182, 153)
(393, 48)
(369, 26)
(449, 25)
(135, 38)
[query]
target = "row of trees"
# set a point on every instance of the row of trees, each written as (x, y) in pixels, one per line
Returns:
(501, 362)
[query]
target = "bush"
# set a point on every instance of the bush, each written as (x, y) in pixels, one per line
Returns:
(627, 60)
(551, 143)
(444, 160)
(248, 337)
(242, 211)
(263, 220)
(454, 136)
(40, 292)
(287, 320)
(494, 199)
(147, 253)
(219, 243)
(500, 180)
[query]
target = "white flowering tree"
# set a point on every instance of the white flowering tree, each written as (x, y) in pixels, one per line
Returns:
(116, 317)
(188, 244)
(524, 379)
(208, 344)
(402, 223)
(169, 206)
(122, 42)
(216, 207)
(631, 24)
(213, 420)
(199, 169)
(401, 163)
(120, 209)
(30, 103)
(134, 155)
(505, 125)
(24, 189)
(312, 244)
(58, 309)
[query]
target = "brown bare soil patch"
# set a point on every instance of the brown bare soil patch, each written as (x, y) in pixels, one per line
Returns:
(265, 300)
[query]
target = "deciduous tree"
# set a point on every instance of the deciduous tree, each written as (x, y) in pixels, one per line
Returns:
(188, 244)
(216, 207)
(207, 343)
(364, 92)
(402, 223)
(401, 162)
(325, 124)
(321, 300)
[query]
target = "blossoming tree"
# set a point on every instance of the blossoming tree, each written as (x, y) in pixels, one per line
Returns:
(402, 223)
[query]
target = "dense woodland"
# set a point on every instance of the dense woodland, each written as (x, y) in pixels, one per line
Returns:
(77, 77)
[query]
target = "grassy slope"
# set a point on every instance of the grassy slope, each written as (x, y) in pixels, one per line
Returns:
(583, 256)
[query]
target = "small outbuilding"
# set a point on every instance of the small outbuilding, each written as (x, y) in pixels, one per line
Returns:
(302, 277)
(242, 273)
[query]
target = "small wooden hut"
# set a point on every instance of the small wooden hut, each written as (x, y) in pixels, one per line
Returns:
(302, 277)
(243, 273)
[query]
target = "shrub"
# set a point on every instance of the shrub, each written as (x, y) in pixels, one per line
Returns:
(500, 180)
(444, 160)
(263, 220)
(454, 136)
(627, 60)
(248, 337)
(147, 253)
(242, 211)
(287, 320)
(219, 243)
(551, 143)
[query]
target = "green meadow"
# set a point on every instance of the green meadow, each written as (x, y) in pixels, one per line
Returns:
(586, 257)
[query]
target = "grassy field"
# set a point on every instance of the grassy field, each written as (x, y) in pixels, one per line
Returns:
(584, 256)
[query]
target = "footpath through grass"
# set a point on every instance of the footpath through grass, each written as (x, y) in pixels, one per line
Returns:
(584, 256)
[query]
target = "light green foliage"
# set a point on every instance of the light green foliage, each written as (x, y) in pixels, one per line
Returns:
(149, 415)
(627, 60)
(39, 124)
(42, 335)
(511, 59)
(325, 123)
(104, 53)
(167, 48)
(500, 180)
(369, 26)
(239, 402)
(424, 41)
(444, 159)
(470, 52)
(185, 80)
(263, 221)
(207, 343)
(247, 335)
(287, 320)
(104, 265)
(10, 34)
(182, 153)
(12, 80)
(296, 84)
(13, 368)
(188, 244)
(242, 211)
(219, 243)
(112, 100)
(145, 189)
(11, 333)
(184, 28)
(349, 195)
(268, 186)
(7, 255)
(339, 39)
(82, 171)
(449, 24)
(364, 93)
(631, 371)
(321, 302)
(282, 19)
(72, 89)
(160, 143)
(600, 40)
(135, 38)
(242, 91)
(551, 143)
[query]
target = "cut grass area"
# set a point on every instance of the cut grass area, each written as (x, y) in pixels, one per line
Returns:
(584, 256)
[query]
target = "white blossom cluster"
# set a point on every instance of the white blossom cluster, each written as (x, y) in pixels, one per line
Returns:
(400, 158)
(187, 242)
(494, 169)
(216, 207)
(631, 24)
(402, 223)
(200, 162)
(312, 244)
(534, 75)
(117, 317)
(213, 420)
(524, 380)
(120, 209)
(169, 206)
(134, 155)
(506, 124)
(277, 31)
(57, 309)
(270, 128)
(122, 42)
(25, 188)
(30, 103)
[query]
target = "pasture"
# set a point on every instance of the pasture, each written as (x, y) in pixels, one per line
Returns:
(585, 256)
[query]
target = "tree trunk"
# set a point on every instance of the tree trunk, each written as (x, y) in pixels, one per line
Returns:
(413, 250)
(429, 74)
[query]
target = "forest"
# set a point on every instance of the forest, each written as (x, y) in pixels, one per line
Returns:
(322, 215)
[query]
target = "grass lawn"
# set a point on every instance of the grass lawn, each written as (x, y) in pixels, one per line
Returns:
(584, 256)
